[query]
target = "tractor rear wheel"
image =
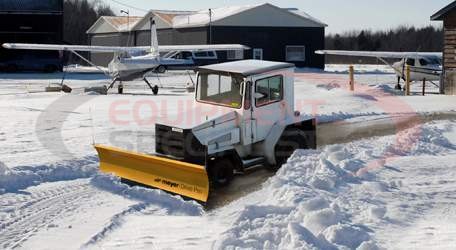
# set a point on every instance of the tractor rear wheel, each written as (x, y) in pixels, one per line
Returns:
(221, 172)
(291, 140)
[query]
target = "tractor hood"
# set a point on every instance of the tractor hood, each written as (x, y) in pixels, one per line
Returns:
(199, 116)
(214, 126)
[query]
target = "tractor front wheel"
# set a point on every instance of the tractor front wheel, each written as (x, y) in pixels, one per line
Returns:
(221, 172)
(291, 140)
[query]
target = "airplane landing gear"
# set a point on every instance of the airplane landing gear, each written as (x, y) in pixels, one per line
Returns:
(398, 86)
(120, 88)
(154, 88)
(112, 83)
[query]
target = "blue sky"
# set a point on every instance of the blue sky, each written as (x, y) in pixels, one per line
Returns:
(339, 15)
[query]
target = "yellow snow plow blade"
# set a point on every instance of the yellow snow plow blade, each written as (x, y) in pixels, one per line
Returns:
(177, 177)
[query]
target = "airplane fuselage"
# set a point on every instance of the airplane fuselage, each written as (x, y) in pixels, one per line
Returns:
(423, 68)
(133, 68)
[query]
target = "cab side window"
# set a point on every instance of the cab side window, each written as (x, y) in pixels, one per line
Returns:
(270, 88)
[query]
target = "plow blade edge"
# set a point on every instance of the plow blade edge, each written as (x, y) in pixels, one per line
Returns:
(177, 177)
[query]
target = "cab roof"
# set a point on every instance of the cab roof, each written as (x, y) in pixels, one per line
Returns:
(246, 67)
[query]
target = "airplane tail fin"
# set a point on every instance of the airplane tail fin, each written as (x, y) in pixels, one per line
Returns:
(153, 38)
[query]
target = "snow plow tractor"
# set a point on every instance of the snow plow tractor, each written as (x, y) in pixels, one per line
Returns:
(244, 117)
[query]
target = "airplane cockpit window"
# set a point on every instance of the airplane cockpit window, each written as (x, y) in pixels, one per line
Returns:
(424, 62)
(410, 62)
(435, 60)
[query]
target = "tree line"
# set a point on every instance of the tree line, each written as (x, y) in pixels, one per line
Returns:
(402, 38)
(79, 16)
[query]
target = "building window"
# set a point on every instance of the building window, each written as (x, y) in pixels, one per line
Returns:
(235, 54)
(258, 54)
(296, 53)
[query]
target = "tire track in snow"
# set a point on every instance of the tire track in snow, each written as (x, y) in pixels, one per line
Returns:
(37, 212)
(116, 221)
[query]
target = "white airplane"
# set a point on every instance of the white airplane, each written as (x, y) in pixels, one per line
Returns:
(131, 63)
(424, 66)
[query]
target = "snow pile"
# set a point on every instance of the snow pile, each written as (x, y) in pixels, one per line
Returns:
(328, 199)
(18, 178)
(174, 204)
(301, 210)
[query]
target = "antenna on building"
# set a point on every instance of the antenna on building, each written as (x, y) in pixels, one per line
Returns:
(210, 26)
(127, 12)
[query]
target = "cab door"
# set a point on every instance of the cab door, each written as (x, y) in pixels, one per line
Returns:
(248, 123)
(268, 104)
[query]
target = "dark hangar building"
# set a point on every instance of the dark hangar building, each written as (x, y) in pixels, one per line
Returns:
(30, 21)
(272, 33)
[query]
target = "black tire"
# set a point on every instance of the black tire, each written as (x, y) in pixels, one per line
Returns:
(221, 172)
(291, 140)
(120, 89)
(161, 69)
(155, 90)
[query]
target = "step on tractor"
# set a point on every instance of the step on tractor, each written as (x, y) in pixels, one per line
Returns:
(249, 119)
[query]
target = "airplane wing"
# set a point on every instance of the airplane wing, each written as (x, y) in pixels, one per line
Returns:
(85, 48)
(105, 49)
(378, 54)
(213, 47)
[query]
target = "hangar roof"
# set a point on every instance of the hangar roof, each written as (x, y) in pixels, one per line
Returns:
(260, 15)
(112, 24)
(265, 15)
(443, 12)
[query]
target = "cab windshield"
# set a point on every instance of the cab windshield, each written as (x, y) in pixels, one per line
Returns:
(219, 89)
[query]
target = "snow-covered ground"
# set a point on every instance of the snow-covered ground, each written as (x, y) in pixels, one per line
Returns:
(392, 191)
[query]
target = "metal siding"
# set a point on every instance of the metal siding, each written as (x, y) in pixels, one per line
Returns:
(103, 59)
(32, 5)
(273, 41)
(190, 36)
(165, 37)
(29, 28)
(142, 38)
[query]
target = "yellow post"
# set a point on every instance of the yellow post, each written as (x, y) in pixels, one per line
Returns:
(352, 78)
(407, 80)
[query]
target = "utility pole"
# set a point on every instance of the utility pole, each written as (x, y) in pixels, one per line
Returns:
(210, 26)
(127, 12)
